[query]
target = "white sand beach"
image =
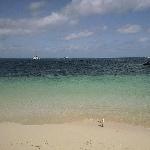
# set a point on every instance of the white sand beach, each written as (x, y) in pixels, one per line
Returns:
(85, 135)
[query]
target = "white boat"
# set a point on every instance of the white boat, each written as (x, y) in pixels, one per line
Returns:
(35, 58)
(147, 63)
(66, 57)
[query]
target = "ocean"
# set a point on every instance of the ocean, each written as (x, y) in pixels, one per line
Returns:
(63, 90)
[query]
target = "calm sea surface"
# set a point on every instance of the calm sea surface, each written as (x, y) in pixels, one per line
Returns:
(60, 90)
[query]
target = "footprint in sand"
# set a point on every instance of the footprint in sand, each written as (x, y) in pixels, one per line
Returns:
(11, 144)
(87, 145)
(46, 142)
(38, 146)
(31, 144)
(89, 142)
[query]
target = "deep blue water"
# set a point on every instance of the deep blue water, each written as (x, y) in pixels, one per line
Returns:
(74, 67)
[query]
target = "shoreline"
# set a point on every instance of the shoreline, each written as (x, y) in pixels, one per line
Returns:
(81, 135)
(70, 119)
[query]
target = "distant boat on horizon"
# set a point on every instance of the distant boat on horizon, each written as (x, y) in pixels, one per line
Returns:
(66, 57)
(35, 58)
(148, 62)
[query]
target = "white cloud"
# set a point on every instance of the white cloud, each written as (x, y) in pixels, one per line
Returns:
(129, 29)
(78, 35)
(14, 32)
(36, 6)
(74, 22)
(88, 7)
(71, 15)
(27, 26)
(53, 19)
(143, 39)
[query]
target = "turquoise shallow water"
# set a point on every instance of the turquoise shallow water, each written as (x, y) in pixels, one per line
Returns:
(55, 99)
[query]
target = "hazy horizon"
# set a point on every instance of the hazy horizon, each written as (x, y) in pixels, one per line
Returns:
(75, 57)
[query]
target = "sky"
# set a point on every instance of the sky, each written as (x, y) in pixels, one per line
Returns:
(74, 28)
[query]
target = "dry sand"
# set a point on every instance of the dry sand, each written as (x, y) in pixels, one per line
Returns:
(85, 135)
